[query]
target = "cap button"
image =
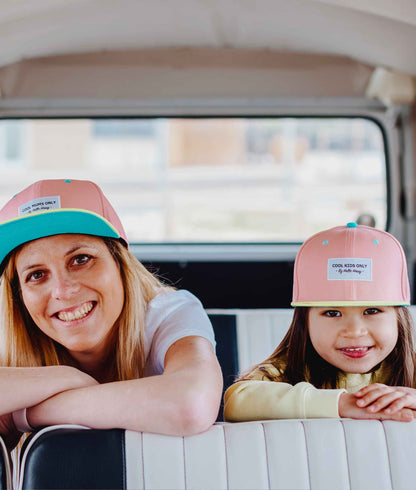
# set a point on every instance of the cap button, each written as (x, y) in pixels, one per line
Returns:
(352, 225)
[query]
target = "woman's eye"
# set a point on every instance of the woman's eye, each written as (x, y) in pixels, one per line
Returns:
(332, 313)
(81, 259)
(372, 311)
(34, 276)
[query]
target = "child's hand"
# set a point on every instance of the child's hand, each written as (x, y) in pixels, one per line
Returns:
(376, 398)
(347, 407)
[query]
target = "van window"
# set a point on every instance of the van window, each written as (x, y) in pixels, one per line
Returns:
(210, 180)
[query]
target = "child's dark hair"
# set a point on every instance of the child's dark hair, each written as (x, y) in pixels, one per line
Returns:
(297, 360)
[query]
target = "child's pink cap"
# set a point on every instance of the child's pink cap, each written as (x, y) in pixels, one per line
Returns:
(351, 266)
(54, 207)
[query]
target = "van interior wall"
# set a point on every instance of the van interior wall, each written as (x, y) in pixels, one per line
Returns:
(227, 285)
(184, 72)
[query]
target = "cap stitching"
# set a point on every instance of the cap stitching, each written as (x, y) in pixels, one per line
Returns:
(53, 211)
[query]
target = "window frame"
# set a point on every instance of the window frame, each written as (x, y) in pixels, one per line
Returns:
(331, 107)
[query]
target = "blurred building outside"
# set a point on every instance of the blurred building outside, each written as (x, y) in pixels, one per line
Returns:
(209, 180)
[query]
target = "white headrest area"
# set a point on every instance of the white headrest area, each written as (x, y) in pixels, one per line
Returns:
(316, 454)
(283, 454)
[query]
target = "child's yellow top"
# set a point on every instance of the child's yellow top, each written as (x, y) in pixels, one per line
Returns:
(259, 398)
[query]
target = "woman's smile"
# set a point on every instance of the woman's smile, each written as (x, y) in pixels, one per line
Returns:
(72, 288)
(70, 315)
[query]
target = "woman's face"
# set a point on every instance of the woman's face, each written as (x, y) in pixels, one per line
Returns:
(354, 339)
(72, 289)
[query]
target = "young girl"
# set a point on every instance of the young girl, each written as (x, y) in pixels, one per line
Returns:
(349, 349)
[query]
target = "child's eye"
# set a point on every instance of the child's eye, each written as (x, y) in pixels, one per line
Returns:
(331, 313)
(372, 311)
(81, 259)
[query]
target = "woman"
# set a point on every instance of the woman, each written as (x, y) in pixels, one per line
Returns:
(88, 335)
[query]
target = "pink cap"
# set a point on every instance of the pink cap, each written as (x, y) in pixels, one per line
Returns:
(351, 266)
(53, 207)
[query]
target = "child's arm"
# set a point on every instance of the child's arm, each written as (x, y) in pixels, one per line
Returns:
(379, 398)
(259, 400)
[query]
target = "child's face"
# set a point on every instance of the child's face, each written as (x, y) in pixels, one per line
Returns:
(354, 339)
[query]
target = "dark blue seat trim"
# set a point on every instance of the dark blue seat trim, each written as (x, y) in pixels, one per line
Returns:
(225, 329)
(68, 459)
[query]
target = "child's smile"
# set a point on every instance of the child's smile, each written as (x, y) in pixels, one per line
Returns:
(356, 352)
(354, 339)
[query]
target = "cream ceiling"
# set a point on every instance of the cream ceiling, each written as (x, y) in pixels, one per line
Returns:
(375, 32)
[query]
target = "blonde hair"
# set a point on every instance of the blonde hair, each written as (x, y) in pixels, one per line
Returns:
(23, 344)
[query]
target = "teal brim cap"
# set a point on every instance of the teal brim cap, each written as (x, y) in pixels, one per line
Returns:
(33, 226)
(55, 207)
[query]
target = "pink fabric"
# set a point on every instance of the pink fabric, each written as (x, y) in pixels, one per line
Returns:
(378, 271)
(75, 194)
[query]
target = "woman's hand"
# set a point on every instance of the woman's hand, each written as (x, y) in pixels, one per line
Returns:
(24, 387)
(377, 397)
(8, 431)
(348, 407)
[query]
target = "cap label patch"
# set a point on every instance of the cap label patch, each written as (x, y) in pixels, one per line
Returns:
(40, 204)
(350, 269)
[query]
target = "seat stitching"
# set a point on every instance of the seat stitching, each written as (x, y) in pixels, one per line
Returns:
(307, 454)
(184, 464)
(226, 457)
(388, 454)
(267, 455)
(346, 453)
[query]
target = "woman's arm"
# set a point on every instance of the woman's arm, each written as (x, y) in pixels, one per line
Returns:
(22, 387)
(183, 400)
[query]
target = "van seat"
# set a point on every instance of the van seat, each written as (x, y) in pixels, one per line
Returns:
(281, 454)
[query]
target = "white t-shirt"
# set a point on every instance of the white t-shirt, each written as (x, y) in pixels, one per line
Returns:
(170, 317)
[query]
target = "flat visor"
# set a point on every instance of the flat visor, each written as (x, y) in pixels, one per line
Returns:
(30, 227)
(349, 303)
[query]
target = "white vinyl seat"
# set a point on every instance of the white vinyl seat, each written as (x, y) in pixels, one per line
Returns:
(314, 454)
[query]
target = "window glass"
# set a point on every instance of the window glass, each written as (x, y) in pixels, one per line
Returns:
(210, 179)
